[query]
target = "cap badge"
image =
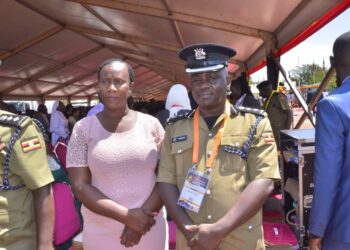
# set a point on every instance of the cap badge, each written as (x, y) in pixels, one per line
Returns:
(199, 54)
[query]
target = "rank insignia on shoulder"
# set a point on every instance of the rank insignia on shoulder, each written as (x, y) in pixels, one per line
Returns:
(251, 110)
(233, 110)
(30, 144)
(182, 114)
(12, 120)
(268, 137)
(179, 138)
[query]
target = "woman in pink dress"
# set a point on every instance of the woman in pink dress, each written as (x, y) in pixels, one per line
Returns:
(112, 159)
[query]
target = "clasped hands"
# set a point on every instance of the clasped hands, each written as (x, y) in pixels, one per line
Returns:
(204, 236)
(138, 222)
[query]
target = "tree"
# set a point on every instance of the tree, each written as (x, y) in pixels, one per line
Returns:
(311, 74)
(307, 74)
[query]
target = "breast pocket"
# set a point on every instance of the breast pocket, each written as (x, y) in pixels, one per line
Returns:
(232, 154)
(10, 226)
(182, 151)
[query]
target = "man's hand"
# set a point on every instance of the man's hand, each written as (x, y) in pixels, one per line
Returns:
(315, 242)
(129, 237)
(140, 220)
(208, 237)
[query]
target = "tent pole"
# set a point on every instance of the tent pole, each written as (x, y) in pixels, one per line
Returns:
(330, 73)
(296, 93)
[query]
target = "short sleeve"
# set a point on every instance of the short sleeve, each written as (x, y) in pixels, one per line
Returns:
(262, 158)
(167, 164)
(78, 147)
(158, 133)
(29, 159)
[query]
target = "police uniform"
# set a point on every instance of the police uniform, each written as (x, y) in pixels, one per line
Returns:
(247, 151)
(277, 109)
(27, 170)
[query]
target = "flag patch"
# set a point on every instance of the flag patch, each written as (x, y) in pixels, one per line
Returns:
(268, 137)
(30, 144)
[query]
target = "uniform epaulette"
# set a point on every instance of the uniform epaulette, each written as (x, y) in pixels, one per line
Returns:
(181, 115)
(259, 112)
(13, 120)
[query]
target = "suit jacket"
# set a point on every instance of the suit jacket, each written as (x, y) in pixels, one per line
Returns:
(246, 101)
(250, 102)
(330, 214)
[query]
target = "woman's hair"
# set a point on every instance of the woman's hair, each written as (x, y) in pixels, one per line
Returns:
(243, 84)
(113, 60)
(42, 108)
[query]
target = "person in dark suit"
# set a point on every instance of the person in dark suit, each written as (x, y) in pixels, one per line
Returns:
(330, 218)
(241, 95)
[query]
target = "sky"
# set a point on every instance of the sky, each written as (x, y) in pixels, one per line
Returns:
(315, 49)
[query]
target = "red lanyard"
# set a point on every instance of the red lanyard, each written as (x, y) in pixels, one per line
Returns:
(217, 138)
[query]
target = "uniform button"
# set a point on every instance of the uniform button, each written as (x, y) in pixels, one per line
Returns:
(179, 151)
(237, 144)
(210, 134)
(209, 217)
(250, 227)
(208, 192)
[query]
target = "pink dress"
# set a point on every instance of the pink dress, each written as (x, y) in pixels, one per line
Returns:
(122, 166)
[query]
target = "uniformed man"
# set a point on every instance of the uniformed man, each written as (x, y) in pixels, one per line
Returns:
(277, 108)
(218, 162)
(26, 204)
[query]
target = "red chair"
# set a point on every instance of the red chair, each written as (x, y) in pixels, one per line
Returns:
(172, 235)
(279, 234)
(60, 151)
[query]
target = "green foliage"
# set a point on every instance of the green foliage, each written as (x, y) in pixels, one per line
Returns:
(308, 74)
(332, 84)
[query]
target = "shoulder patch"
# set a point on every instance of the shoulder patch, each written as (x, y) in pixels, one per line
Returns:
(30, 144)
(181, 116)
(233, 110)
(259, 112)
(13, 120)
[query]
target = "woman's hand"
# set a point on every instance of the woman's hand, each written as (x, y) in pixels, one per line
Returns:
(2, 144)
(140, 220)
(129, 237)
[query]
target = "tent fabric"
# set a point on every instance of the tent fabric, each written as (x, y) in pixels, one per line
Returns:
(51, 49)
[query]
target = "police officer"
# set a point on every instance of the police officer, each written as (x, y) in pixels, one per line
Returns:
(26, 204)
(218, 162)
(277, 108)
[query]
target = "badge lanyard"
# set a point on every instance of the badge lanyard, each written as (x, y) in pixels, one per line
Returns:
(196, 182)
(217, 139)
(266, 104)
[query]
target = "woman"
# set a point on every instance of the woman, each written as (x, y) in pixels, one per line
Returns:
(112, 158)
(73, 119)
(177, 99)
(241, 95)
(58, 123)
(42, 116)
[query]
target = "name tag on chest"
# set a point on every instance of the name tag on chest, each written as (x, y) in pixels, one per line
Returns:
(179, 138)
(194, 190)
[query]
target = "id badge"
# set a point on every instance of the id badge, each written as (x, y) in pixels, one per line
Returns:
(194, 190)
